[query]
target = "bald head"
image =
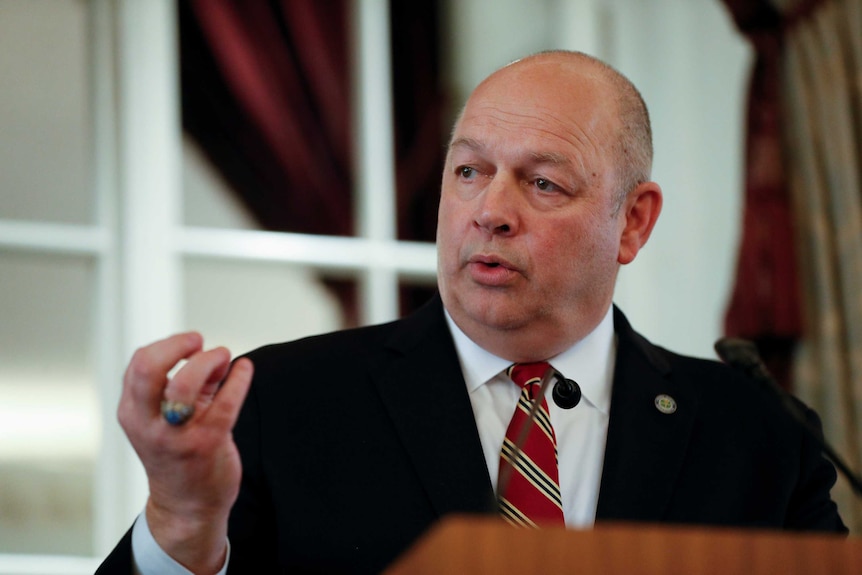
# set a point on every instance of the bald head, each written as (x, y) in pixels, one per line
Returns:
(540, 203)
(630, 143)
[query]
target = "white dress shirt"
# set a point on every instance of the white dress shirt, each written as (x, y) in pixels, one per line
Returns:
(581, 431)
(148, 558)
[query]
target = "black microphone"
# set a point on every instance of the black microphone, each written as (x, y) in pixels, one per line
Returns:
(566, 393)
(742, 355)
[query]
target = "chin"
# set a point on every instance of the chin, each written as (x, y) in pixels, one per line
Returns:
(487, 307)
(495, 315)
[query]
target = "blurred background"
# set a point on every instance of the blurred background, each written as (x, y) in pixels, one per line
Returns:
(265, 170)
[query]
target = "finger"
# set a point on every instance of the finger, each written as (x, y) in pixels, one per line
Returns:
(211, 386)
(148, 369)
(226, 405)
(201, 368)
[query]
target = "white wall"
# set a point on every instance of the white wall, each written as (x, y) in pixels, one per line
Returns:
(692, 68)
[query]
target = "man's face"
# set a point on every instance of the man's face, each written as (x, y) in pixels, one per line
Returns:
(528, 236)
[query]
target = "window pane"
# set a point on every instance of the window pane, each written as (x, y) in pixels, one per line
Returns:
(207, 200)
(45, 147)
(244, 305)
(49, 422)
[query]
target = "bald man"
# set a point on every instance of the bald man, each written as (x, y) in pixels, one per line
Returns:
(334, 453)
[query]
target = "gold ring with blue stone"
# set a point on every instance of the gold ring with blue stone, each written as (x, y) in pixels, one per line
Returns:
(176, 412)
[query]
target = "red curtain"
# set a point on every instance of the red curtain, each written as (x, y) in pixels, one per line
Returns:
(766, 306)
(266, 95)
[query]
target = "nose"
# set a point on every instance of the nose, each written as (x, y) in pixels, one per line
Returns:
(497, 210)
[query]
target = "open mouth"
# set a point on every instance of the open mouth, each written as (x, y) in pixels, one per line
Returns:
(492, 271)
(492, 268)
(491, 262)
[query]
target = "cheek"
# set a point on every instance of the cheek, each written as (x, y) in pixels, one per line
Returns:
(448, 201)
(447, 232)
(576, 254)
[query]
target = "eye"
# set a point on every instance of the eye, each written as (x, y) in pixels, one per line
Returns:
(466, 172)
(546, 185)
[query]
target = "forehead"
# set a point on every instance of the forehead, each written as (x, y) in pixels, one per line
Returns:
(549, 107)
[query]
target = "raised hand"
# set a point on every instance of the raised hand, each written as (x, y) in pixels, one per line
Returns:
(194, 468)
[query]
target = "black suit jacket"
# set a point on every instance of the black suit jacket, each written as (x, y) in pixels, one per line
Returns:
(354, 443)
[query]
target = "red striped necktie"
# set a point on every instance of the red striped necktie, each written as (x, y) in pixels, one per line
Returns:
(528, 484)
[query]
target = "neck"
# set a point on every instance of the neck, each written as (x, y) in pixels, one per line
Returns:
(528, 343)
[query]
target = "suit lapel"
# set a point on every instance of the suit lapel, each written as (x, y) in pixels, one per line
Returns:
(423, 389)
(645, 447)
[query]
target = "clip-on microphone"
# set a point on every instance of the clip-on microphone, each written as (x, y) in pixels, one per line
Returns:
(566, 393)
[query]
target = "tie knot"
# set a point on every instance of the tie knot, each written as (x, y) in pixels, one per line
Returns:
(528, 373)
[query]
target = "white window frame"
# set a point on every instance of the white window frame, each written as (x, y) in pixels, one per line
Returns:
(138, 240)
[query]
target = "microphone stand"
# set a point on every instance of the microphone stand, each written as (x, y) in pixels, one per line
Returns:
(743, 355)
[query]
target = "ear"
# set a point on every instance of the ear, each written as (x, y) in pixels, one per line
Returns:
(639, 213)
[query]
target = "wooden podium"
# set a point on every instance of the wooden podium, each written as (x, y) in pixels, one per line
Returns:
(480, 545)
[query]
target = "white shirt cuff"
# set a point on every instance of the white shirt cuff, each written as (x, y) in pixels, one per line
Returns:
(148, 558)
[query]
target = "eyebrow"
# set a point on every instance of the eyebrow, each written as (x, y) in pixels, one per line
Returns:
(550, 158)
(462, 142)
(553, 158)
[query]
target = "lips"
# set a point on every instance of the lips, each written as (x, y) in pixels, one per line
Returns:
(491, 270)
(491, 261)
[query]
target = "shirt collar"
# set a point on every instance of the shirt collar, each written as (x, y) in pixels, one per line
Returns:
(590, 362)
